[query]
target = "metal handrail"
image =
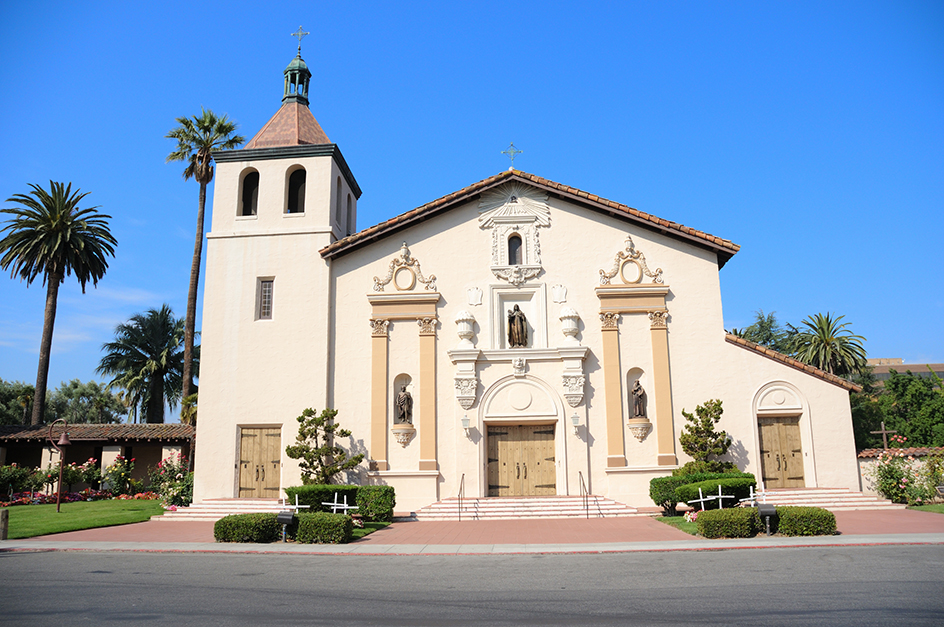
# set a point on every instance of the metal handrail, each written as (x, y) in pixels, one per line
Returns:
(584, 493)
(461, 494)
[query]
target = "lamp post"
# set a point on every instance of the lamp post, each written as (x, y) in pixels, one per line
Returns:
(63, 441)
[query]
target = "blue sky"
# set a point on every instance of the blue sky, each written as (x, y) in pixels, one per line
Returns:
(809, 133)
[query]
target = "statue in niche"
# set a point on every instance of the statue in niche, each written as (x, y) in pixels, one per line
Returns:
(517, 329)
(404, 407)
(639, 403)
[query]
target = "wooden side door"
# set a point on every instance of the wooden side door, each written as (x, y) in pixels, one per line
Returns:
(499, 483)
(781, 452)
(259, 462)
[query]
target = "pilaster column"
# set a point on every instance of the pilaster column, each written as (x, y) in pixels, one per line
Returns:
(612, 389)
(665, 432)
(427, 389)
(378, 393)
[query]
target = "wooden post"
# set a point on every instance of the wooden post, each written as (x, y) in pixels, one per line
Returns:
(4, 523)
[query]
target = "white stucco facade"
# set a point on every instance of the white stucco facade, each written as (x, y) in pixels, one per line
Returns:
(340, 336)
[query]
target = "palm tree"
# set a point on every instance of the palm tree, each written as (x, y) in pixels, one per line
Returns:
(50, 235)
(197, 138)
(822, 342)
(146, 360)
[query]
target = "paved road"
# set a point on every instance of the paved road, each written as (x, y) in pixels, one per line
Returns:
(877, 585)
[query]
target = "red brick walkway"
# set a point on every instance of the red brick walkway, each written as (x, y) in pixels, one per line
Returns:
(540, 531)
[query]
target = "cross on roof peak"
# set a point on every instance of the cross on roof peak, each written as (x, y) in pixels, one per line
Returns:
(300, 34)
(512, 152)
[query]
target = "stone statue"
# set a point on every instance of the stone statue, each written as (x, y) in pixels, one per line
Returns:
(639, 406)
(517, 329)
(404, 406)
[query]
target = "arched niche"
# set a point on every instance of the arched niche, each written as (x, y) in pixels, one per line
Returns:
(520, 399)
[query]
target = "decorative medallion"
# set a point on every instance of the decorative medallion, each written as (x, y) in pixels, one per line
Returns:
(630, 265)
(465, 391)
(427, 326)
(475, 296)
(378, 327)
(610, 320)
(404, 272)
(559, 293)
(573, 388)
(519, 364)
(658, 319)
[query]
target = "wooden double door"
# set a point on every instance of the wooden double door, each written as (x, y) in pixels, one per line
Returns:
(260, 461)
(781, 454)
(521, 460)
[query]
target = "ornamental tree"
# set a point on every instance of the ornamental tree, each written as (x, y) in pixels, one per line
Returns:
(701, 441)
(321, 458)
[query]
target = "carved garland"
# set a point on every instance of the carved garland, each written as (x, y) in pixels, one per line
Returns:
(412, 265)
(635, 256)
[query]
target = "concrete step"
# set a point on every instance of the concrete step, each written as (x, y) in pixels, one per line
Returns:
(526, 507)
(215, 509)
(834, 499)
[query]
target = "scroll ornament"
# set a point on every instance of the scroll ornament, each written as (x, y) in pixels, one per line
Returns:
(635, 256)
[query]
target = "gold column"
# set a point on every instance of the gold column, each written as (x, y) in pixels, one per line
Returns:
(427, 418)
(378, 393)
(613, 390)
(665, 432)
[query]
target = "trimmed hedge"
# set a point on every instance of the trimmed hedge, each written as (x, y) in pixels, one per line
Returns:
(805, 521)
(258, 528)
(324, 528)
(737, 522)
(314, 495)
(738, 487)
(662, 489)
(376, 502)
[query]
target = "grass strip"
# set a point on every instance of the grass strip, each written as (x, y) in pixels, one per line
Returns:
(29, 521)
(679, 523)
(937, 508)
(369, 527)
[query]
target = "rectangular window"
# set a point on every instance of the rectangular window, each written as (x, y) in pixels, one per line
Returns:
(264, 307)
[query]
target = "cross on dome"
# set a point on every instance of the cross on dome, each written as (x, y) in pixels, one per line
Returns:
(300, 34)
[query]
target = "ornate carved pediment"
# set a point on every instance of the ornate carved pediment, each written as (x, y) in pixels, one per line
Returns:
(514, 202)
(515, 209)
(404, 272)
(630, 266)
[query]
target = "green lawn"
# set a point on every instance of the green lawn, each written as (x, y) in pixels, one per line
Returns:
(937, 508)
(679, 522)
(369, 527)
(27, 521)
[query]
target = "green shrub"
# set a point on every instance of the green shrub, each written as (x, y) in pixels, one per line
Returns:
(376, 502)
(258, 528)
(696, 467)
(323, 528)
(736, 522)
(805, 521)
(14, 478)
(738, 487)
(316, 494)
(662, 489)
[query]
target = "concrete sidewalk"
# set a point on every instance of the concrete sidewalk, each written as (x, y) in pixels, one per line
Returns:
(498, 536)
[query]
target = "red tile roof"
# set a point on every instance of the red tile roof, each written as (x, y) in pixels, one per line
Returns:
(793, 363)
(99, 432)
(919, 451)
(292, 125)
(725, 248)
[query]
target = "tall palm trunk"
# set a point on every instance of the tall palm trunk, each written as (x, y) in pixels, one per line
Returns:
(45, 346)
(191, 319)
(155, 402)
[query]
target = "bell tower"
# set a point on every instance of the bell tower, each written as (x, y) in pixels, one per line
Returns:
(269, 293)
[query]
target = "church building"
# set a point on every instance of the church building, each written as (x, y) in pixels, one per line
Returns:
(518, 337)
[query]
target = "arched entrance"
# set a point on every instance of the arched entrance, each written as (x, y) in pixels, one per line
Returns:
(779, 410)
(523, 447)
